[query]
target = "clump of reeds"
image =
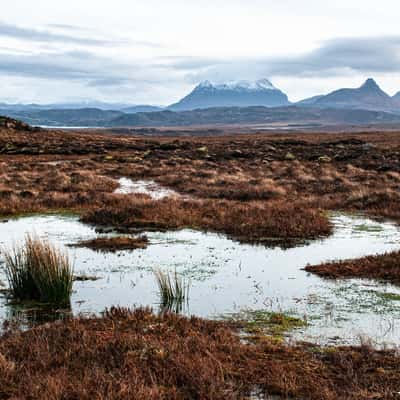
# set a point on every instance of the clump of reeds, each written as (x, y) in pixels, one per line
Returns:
(39, 271)
(173, 290)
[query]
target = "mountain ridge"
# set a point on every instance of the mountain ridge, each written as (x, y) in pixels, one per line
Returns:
(369, 96)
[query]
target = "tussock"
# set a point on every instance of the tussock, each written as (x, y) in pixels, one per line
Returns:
(38, 271)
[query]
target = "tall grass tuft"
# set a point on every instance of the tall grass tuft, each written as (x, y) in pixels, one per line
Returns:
(173, 289)
(39, 271)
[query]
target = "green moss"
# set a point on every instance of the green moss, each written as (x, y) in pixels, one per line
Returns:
(56, 211)
(388, 296)
(367, 228)
(261, 323)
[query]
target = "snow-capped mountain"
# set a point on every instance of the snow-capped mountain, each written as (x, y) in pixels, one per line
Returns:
(232, 94)
(262, 84)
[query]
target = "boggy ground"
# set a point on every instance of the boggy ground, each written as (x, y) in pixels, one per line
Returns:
(43, 170)
(254, 187)
(136, 354)
(251, 187)
(347, 171)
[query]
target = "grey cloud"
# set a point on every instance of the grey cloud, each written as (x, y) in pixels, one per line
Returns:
(108, 81)
(357, 54)
(74, 36)
(333, 57)
(30, 34)
(66, 27)
(83, 66)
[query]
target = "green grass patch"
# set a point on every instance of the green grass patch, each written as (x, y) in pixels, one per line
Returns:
(388, 296)
(367, 228)
(261, 323)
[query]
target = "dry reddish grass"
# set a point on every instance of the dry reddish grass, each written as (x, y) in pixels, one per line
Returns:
(68, 170)
(139, 355)
(66, 167)
(115, 243)
(384, 267)
(247, 221)
(249, 187)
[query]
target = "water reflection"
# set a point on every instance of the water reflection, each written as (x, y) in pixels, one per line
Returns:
(28, 315)
(227, 276)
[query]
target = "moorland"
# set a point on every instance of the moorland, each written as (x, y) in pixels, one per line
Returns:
(257, 188)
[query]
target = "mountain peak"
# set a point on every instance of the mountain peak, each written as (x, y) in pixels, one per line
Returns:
(369, 96)
(205, 84)
(261, 84)
(238, 93)
(370, 84)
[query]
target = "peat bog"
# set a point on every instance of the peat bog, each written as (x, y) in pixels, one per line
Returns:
(225, 213)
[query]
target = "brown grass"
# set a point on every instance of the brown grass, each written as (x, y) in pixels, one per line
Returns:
(250, 221)
(49, 169)
(126, 355)
(385, 267)
(115, 243)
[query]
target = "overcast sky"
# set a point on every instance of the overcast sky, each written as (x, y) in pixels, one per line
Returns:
(155, 51)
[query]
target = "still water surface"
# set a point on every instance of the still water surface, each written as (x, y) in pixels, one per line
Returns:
(227, 276)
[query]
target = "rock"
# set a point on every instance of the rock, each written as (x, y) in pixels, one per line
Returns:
(290, 157)
(203, 149)
(367, 146)
(325, 159)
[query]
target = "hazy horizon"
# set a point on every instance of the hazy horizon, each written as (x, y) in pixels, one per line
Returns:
(155, 52)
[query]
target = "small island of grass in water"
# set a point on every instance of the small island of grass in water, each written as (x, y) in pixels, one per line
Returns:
(114, 244)
(383, 267)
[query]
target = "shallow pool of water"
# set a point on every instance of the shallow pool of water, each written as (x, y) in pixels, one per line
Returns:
(149, 187)
(227, 277)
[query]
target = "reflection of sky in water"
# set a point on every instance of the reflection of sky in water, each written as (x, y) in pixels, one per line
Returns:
(151, 188)
(227, 276)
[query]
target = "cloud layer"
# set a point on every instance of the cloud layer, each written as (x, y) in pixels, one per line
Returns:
(48, 36)
(65, 53)
(334, 57)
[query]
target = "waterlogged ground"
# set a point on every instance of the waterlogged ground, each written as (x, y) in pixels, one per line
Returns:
(228, 277)
(151, 188)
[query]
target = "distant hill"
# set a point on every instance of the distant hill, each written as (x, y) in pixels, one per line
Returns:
(396, 99)
(309, 101)
(89, 104)
(235, 102)
(369, 96)
(254, 115)
(92, 117)
(232, 94)
(141, 108)
(75, 117)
